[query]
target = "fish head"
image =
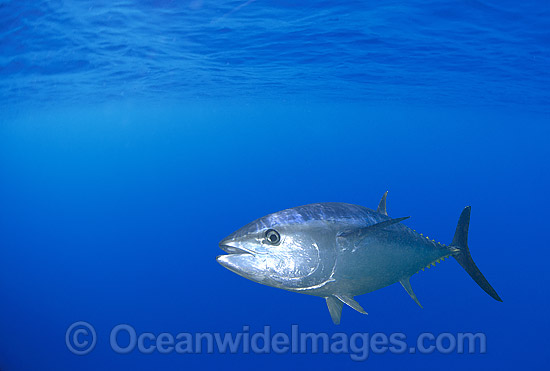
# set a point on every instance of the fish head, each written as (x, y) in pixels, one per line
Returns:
(278, 252)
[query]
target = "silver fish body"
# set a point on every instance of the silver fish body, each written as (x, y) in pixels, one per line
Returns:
(337, 251)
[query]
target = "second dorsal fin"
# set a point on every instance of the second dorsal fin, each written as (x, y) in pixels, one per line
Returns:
(382, 205)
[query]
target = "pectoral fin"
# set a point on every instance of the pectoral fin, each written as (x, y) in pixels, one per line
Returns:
(360, 233)
(407, 286)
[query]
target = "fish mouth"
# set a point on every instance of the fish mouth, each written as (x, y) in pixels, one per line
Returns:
(236, 259)
(234, 250)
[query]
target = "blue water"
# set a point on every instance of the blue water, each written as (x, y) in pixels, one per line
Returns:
(134, 136)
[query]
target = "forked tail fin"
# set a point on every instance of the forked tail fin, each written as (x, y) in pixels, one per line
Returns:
(463, 257)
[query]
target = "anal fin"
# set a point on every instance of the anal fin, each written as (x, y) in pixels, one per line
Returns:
(407, 286)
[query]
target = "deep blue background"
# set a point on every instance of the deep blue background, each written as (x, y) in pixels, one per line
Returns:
(135, 136)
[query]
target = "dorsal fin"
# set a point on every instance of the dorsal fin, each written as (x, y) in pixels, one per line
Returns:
(382, 205)
(335, 309)
(407, 286)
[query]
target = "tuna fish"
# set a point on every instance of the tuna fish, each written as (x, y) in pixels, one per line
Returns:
(338, 251)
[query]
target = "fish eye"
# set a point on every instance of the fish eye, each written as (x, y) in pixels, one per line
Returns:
(272, 236)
